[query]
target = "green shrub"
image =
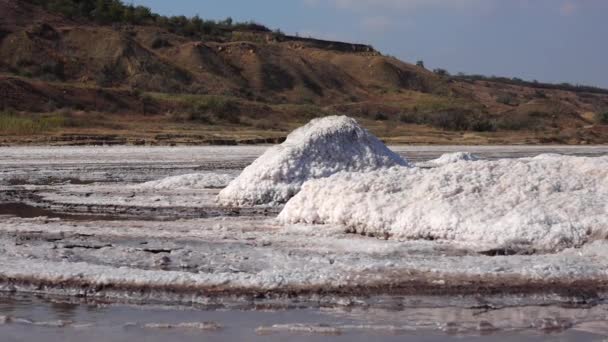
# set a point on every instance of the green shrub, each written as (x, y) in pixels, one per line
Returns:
(602, 118)
(117, 12)
(539, 114)
(223, 109)
(519, 121)
(507, 99)
(516, 81)
(441, 72)
(451, 121)
(410, 118)
(447, 120)
(51, 71)
(159, 42)
(110, 74)
(380, 116)
(483, 125)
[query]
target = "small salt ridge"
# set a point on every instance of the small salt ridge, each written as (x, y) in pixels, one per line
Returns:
(189, 181)
(449, 158)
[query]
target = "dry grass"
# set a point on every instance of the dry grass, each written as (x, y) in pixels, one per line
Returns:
(19, 124)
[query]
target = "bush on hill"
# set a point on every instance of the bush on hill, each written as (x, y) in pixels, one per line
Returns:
(450, 120)
(115, 11)
(535, 84)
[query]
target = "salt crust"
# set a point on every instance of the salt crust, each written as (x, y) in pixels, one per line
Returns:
(455, 157)
(546, 202)
(189, 181)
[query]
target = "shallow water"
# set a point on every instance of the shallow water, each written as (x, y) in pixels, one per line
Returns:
(23, 210)
(36, 319)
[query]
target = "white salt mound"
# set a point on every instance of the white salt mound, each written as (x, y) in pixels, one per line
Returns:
(449, 158)
(547, 202)
(189, 181)
(319, 149)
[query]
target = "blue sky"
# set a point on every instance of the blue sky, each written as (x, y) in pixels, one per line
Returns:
(547, 40)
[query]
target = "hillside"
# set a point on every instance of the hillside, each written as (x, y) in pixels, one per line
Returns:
(69, 77)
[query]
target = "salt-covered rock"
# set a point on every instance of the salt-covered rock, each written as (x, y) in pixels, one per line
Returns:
(449, 158)
(189, 181)
(319, 149)
(546, 202)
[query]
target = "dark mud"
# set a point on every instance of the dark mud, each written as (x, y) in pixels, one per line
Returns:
(391, 293)
(27, 204)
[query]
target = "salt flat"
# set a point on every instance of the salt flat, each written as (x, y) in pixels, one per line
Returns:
(178, 245)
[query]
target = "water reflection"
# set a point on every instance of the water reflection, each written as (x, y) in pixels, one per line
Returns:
(92, 322)
(7, 305)
(23, 210)
(65, 311)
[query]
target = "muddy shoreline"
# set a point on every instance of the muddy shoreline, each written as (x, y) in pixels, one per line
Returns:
(166, 139)
(571, 293)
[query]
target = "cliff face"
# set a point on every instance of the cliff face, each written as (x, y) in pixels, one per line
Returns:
(330, 45)
(49, 62)
(254, 65)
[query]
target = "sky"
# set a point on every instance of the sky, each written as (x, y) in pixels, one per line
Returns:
(545, 40)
